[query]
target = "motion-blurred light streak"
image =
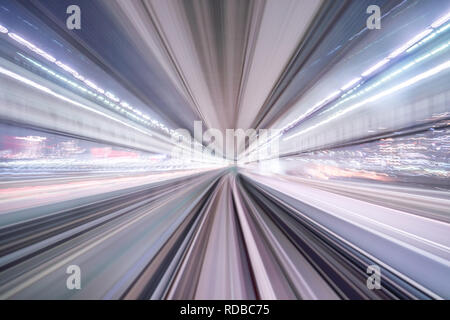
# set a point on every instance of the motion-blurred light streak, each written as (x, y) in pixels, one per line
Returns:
(97, 180)
(442, 67)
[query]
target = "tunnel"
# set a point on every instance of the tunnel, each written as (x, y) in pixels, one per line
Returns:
(224, 150)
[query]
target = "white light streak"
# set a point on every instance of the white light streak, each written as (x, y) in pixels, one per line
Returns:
(66, 68)
(61, 97)
(375, 67)
(351, 83)
(441, 21)
(410, 43)
(332, 95)
(411, 81)
(112, 96)
(3, 29)
(74, 73)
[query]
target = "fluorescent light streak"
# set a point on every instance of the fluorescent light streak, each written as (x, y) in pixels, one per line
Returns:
(444, 46)
(408, 44)
(351, 83)
(61, 97)
(388, 77)
(3, 29)
(444, 28)
(112, 96)
(411, 45)
(94, 86)
(431, 36)
(375, 67)
(100, 90)
(81, 78)
(315, 107)
(91, 84)
(75, 74)
(407, 83)
(45, 55)
(66, 68)
(21, 40)
(441, 21)
(32, 47)
(124, 104)
(332, 95)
